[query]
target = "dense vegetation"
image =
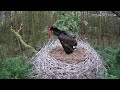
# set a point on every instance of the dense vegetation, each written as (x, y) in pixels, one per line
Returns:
(15, 68)
(112, 58)
(101, 29)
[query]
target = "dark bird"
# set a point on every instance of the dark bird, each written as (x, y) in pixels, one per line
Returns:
(66, 40)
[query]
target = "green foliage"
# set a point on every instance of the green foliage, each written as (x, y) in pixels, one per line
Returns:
(118, 56)
(68, 22)
(15, 68)
(103, 74)
(112, 58)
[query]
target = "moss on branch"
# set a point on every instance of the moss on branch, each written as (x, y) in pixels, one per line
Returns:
(22, 41)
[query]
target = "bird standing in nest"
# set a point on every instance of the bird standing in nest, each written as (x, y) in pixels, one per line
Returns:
(66, 40)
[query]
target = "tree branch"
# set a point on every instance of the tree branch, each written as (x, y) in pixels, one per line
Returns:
(20, 28)
(21, 40)
(117, 14)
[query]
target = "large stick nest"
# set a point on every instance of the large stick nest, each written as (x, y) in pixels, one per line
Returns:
(51, 62)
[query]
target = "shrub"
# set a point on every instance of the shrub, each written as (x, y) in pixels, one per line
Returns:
(112, 58)
(15, 68)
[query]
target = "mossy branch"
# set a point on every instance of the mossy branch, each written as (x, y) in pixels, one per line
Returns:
(21, 40)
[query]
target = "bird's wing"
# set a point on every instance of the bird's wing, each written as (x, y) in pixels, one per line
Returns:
(67, 39)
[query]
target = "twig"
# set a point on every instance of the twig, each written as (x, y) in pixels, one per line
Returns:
(20, 28)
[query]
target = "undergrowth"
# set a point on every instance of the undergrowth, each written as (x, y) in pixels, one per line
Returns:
(111, 55)
(15, 68)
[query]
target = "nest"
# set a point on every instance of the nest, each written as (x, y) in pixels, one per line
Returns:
(51, 62)
(76, 57)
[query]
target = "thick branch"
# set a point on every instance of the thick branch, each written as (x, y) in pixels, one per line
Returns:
(22, 42)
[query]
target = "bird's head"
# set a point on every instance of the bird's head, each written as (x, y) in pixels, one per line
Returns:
(55, 30)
